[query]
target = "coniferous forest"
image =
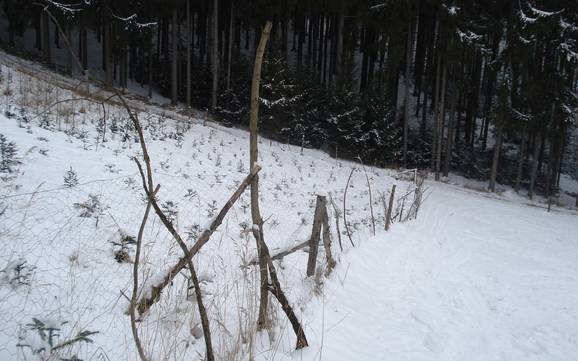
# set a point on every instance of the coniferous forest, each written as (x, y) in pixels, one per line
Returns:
(484, 88)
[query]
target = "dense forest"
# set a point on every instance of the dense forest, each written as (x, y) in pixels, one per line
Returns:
(484, 88)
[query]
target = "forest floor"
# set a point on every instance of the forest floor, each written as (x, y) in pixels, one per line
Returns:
(477, 276)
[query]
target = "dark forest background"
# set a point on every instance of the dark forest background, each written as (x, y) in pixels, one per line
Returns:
(487, 89)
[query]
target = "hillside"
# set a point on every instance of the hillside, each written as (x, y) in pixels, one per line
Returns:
(477, 276)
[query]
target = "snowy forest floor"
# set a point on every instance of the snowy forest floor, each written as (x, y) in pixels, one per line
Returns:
(477, 276)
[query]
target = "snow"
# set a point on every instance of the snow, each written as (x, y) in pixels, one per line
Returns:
(477, 276)
(459, 283)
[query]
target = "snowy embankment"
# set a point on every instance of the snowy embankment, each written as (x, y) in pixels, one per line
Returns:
(477, 276)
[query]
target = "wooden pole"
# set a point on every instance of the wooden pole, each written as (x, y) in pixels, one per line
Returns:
(315, 235)
(389, 208)
(253, 156)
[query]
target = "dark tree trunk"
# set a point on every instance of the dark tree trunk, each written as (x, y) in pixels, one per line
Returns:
(497, 150)
(174, 58)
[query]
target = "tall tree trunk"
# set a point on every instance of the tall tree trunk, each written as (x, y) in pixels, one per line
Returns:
(521, 158)
(84, 38)
(339, 58)
(451, 125)
(189, 42)
(497, 150)
(406, 95)
(262, 321)
(108, 63)
(150, 67)
(230, 49)
(69, 53)
(175, 58)
(215, 53)
(441, 122)
(435, 100)
(46, 44)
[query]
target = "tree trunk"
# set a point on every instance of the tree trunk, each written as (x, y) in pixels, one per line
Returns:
(339, 58)
(69, 53)
(436, 111)
(230, 49)
(262, 321)
(440, 123)
(215, 54)
(189, 41)
(497, 150)
(108, 52)
(175, 55)
(46, 44)
(406, 97)
(451, 128)
(150, 67)
(521, 162)
(534, 172)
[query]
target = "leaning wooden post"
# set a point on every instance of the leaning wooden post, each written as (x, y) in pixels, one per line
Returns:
(315, 234)
(253, 156)
(327, 242)
(389, 208)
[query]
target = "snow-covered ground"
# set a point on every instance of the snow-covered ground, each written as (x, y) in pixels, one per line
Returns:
(476, 276)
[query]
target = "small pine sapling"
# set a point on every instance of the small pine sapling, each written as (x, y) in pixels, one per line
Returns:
(8, 153)
(70, 178)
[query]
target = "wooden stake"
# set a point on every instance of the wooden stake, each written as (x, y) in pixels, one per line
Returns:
(389, 209)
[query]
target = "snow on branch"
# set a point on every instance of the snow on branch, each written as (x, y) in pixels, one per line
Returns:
(334, 119)
(378, 6)
(541, 13)
(571, 55)
(66, 8)
(451, 10)
(132, 21)
(468, 36)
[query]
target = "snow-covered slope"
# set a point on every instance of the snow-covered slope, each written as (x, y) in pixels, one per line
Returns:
(476, 276)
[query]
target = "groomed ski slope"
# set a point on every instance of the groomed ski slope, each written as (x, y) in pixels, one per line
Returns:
(477, 276)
